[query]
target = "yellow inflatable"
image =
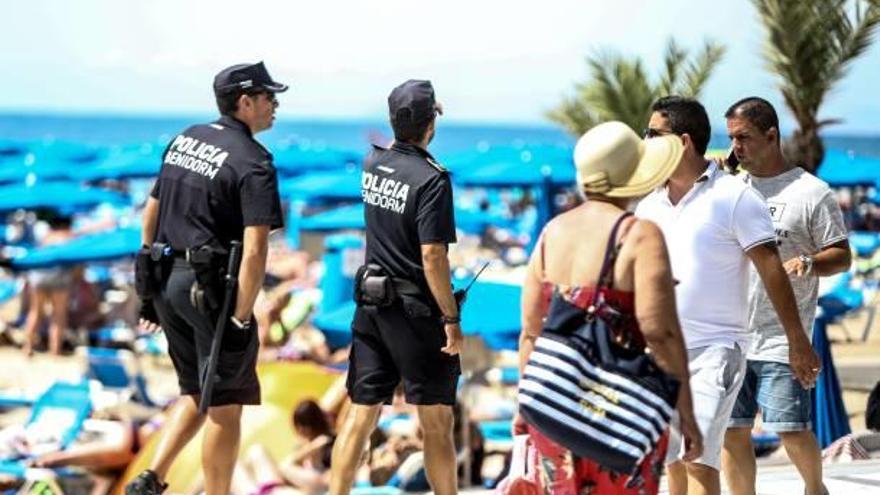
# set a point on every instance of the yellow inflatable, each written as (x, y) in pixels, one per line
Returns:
(283, 385)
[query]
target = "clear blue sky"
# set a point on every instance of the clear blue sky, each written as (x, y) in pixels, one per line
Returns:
(490, 60)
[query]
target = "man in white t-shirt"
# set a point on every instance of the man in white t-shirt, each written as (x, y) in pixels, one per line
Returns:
(812, 239)
(715, 226)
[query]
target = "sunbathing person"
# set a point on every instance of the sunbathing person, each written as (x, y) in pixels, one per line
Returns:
(286, 271)
(105, 447)
(305, 470)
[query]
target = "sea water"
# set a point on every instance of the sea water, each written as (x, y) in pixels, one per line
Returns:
(353, 135)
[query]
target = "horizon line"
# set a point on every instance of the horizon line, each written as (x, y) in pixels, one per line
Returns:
(153, 115)
(337, 119)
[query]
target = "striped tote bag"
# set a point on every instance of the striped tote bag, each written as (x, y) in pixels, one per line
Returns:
(603, 401)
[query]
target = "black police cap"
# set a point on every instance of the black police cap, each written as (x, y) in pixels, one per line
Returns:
(412, 103)
(246, 76)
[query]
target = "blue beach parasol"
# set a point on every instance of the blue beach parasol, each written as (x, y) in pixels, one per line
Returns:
(864, 243)
(143, 161)
(545, 169)
(546, 180)
(830, 420)
(844, 169)
(102, 246)
(513, 174)
(9, 288)
(10, 149)
(297, 160)
(492, 313)
(54, 160)
(335, 324)
(475, 221)
(62, 196)
(351, 217)
(533, 155)
(20, 169)
(318, 187)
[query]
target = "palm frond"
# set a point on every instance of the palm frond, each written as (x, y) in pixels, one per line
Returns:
(698, 70)
(574, 117)
(619, 88)
(810, 45)
(672, 62)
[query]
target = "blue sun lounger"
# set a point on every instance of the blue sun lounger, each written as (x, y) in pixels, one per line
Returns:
(9, 288)
(118, 370)
(64, 406)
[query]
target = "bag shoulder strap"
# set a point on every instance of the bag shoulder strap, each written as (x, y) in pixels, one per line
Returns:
(611, 249)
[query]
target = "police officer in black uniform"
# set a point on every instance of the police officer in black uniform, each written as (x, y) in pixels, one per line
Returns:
(217, 185)
(406, 327)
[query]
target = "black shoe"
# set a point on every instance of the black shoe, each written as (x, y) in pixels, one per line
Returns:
(146, 483)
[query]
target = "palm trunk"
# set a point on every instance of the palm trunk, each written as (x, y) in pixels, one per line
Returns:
(805, 148)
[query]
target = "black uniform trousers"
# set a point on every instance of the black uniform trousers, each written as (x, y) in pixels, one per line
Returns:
(391, 344)
(190, 333)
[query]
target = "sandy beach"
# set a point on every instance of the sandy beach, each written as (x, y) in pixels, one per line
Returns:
(856, 362)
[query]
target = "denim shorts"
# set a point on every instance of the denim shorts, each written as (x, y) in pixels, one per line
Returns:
(771, 387)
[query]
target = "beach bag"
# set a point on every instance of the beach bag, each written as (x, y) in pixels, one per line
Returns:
(523, 478)
(587, 389)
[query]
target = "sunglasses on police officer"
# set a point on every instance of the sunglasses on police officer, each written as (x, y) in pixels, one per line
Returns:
(269, 95)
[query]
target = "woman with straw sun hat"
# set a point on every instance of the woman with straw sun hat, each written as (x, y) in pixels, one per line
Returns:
(614, 167)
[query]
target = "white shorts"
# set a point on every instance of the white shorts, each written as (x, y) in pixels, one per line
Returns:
(717, 374)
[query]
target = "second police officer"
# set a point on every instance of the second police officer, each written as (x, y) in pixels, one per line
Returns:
(217, 186)
(406, 326)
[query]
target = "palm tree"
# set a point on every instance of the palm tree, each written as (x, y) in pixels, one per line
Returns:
(619, 88)
(810, 45)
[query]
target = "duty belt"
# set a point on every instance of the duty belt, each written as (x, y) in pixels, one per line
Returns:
(195, 255)
(405, 287)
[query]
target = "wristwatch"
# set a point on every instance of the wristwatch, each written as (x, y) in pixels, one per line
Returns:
(450, 320)
(807, 260)
(242, 325)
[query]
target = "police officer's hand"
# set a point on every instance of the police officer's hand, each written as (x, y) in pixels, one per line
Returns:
(147, 326)
(149, 319)
(454, 339)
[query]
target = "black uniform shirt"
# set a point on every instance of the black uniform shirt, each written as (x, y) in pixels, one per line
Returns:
(216, 179)
(407, 202)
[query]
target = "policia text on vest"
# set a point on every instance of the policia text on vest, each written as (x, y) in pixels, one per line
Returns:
(384, 193)
(192, 154)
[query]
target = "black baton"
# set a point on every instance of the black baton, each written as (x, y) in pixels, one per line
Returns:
(226, 311)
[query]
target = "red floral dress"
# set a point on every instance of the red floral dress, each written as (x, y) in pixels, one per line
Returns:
(561, 473)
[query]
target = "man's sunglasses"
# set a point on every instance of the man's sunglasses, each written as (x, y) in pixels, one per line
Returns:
(269, 95)
(650, 133)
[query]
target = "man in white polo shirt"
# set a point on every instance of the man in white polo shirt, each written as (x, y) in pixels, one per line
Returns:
(812, 239)
(715, 225)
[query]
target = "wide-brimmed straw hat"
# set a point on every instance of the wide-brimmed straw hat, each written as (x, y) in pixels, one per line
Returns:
(612, 160)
